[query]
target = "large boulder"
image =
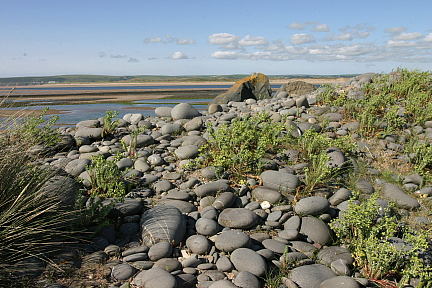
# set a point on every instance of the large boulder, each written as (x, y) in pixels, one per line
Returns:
(256, 86)
(296, 88)
(162, 223)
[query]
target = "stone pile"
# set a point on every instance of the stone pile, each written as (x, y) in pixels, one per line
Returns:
(186, 228)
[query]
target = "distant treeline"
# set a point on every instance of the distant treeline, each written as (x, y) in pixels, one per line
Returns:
(67, 79)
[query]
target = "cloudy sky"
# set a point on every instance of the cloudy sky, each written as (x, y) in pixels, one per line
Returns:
(196, 37)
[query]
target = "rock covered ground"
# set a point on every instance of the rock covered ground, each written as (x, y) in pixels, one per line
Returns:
(187, 226)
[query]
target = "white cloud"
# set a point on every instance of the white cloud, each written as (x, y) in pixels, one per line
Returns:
(302, 38)
(297, 26)
(341, 37)
(321, 28)
(399, 43)
(252, 40)
(224, 55)
(395, 30)
(179, 55)
(428, 38)
(223, 39)
(152, 40)
(184, 41)
(407, 36)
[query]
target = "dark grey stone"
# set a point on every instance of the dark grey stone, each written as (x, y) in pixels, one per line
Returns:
(230, 240)
(155, 278)
(159, 250)
(168, 264)
(198, 244)
(206, 226)
(136, 257)
(141, 140)
(245, 259)
(77, 166)
(340, 281)
(337, 158)
(224, 264)
(162, 223)
(224, 200)
(395, 194)
(266, 194)
(61, 189)
(364, 186)
(339, 196)
(91, 133)
(128, 207)
(246, 279)
(187, 152)
(280, 181)
(275, 246)
(311, 276)
(183, 206)
(316, 230)
(312, 206)
(238, 218)
(211, 188)
(331, 253)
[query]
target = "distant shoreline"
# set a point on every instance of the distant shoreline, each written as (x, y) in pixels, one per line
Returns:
(315, 81)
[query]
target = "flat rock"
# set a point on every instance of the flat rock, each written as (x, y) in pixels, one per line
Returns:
(340, 281)
(77, 166)
(274, 245)
(245, 259)
(280, 181)
(245, 279)
(155, 278)
(186, 152)
(262, 193)
(395, 194)
(238, 218)
(128, 207)
(316, 230)
(141, 140)
(183, 206)
(211, 188)
(159, 250)
(231, 240)
(91, 133)
(311, 276)
(331, 253)
(312, 206)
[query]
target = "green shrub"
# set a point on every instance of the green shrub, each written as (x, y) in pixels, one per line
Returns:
(240, 147)
(105, 178)
(367, 234)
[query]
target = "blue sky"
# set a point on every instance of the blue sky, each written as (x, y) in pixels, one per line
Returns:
(213, 37)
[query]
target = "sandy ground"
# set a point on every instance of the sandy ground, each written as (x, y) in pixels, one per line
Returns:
(28, 112)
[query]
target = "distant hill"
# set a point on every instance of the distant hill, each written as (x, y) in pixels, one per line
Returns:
(68, 79)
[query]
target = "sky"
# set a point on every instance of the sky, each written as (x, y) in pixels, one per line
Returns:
(204, 37)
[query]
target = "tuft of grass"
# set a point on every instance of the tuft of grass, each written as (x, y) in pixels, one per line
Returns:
(32, 224)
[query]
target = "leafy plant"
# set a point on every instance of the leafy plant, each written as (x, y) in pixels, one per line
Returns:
(105, 178)
(240, 147)
(368, 235)
(108, 123)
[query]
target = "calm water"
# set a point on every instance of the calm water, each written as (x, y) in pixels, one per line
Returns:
(138, 87)
(77, 113)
